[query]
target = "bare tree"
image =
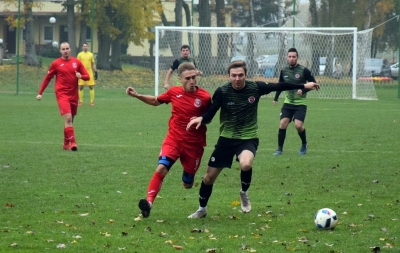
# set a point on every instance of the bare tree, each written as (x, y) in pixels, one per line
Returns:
(314, 23)
(30, 51)
(282, 38)
(205, 47)
(83, 23)
(223, 38)
(71, 26)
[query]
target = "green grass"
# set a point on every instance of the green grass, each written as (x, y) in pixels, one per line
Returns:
(45, 190)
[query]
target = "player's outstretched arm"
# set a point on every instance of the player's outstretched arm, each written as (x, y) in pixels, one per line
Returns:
(148, 99)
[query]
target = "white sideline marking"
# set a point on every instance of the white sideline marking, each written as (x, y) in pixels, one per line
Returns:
(208, 147)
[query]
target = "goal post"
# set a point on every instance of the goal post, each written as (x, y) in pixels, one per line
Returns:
(335, 56)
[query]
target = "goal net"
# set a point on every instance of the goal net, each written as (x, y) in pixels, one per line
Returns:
(335, 56)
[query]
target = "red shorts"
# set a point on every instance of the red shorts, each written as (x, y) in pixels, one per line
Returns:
(190, 157)
(67, 106)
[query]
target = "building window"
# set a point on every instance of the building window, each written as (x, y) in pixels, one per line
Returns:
(88, 34)
(48, 33)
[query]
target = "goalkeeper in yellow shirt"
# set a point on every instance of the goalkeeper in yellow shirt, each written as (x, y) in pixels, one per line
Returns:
(87, 58)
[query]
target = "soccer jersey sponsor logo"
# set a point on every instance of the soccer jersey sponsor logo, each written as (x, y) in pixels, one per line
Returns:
(61, 65)
(212, 159)
(74, 65)
(178, 96)
(197, 102)
(297, 75)
(251, 99)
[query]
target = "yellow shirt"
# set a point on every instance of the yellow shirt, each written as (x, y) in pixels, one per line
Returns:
(87, 59)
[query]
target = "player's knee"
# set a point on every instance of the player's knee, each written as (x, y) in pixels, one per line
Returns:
(245, 166)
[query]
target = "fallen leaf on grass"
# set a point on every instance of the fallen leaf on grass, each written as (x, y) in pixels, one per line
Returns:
(61, 246)
(329, 245)
(159, 221)
(148, 229)
(13, 244)
(177, 247)
(233, 217)
(77, 237)
(110, 221)
(303, 239)
(138, 218)
(105, 233)
(162, 234)
(124, 248)
(235, 203)
(74, 242)
(196, 230)
(213, 250)
(125, 173)
(388, 245)
(84, 214)
(9, 205)
(168, 242)
(124, 234)
(30, 232)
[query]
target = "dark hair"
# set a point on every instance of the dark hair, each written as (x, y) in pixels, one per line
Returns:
(85, 43)
(185, 46)
(237, 64)
(293, 50)
(184, 67)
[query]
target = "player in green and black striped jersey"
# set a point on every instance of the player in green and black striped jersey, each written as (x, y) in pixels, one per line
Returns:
(185, 57)
(295, 107)
(238, 101)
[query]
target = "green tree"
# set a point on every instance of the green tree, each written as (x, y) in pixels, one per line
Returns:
(364, 14)
(26, 19)
(122, 22)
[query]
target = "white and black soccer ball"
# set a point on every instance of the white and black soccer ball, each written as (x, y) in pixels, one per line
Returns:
(55, 44)
(325, 218)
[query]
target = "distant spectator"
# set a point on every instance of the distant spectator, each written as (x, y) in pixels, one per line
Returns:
(385, 69)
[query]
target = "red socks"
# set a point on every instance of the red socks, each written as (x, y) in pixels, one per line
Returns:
(154, 186)
(69, 135)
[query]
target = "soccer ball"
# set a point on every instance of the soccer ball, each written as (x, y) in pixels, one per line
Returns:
(55, 44)
(326, 218)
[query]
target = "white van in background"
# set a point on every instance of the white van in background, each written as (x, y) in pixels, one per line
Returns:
(337, 70)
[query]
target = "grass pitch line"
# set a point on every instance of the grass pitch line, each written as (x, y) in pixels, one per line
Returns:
(208, 147)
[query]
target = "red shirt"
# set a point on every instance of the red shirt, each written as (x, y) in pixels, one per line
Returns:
(66, 85)
(186, 105)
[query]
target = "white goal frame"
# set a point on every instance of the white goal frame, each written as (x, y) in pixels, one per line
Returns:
(348, 30)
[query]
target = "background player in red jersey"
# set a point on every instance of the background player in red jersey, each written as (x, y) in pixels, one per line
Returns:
(67, 70)
(187, 100)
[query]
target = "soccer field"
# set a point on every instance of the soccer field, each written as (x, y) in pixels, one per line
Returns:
(86, 201)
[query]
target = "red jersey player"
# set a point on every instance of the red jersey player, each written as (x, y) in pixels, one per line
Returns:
(67, 70)
(187, 100)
